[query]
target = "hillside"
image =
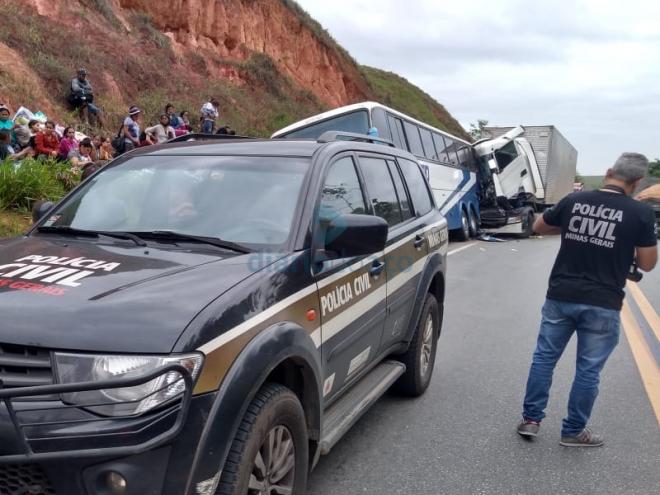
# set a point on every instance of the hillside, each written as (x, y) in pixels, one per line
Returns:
(267, 61)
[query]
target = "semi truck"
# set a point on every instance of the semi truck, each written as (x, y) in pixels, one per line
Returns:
(522, 171)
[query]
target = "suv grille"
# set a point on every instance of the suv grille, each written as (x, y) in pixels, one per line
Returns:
(24, 479)
(22, 366)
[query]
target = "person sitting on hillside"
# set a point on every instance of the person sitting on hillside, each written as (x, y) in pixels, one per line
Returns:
(209, 114)
(7, 150)
(6, 124)
(46, 143)
(81, 97)
(105, 151)
(184, 119)
(81, 155)
(68, 142)
(174, 118)
(161, 132)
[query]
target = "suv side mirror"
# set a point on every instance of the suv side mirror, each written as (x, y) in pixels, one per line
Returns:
(492, 165)
(39, 209)
(356, 235)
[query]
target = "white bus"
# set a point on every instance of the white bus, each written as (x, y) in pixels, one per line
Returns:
(448, 160)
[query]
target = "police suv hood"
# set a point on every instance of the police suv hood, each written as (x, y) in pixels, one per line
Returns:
(108, 296)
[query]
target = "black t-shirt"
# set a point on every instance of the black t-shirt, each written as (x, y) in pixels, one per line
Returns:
(599, 233)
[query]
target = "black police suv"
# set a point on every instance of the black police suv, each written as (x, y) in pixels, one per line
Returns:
(210, 317)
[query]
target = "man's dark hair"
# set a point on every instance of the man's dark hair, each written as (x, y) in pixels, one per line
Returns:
(87, 143)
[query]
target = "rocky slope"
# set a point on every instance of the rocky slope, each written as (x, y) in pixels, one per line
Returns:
(267, 60)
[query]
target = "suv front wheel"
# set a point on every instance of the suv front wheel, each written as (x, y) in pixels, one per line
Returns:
(269, 454)
(420, 356)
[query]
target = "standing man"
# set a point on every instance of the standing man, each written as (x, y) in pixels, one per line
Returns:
(209, 115)
(81, 97)
(602, 233)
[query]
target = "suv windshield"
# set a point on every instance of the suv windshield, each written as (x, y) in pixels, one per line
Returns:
(245, 200)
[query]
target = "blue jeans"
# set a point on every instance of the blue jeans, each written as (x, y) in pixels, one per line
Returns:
(597, 335)
(207, 126)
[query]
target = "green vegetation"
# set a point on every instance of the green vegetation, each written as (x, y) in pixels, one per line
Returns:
(396, 92)
(14, 222)
(478, 130)
(21, 184)
(105, 9)
(654, 168)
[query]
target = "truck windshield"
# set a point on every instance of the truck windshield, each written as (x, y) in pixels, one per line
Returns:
(245, 200)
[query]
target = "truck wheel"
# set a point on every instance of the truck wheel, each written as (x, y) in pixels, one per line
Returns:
(269, 454)
(464, 231)
(527, 225)
(473, 224)
(420, 356)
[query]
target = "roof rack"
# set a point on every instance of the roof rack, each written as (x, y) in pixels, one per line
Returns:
(197, 136)
(330, 136)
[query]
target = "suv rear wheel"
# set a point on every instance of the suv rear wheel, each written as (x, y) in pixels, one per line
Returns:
(269, 454)
(420, 356)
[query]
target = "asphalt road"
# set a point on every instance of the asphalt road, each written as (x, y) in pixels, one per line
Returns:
(459, 438)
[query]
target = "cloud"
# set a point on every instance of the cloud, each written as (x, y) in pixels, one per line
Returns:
(588, 66)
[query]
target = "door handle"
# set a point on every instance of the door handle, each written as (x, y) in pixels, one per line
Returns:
(523, 173)
(377, 268)
(419, 241)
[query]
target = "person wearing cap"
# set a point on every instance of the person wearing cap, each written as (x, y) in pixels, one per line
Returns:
(81, 97)
(602, 233)
(131, 129)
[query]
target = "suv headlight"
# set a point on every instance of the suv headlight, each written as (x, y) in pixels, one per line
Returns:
(75, 368)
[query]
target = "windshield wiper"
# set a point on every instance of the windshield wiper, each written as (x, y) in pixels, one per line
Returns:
(66, 230)
(180, 236)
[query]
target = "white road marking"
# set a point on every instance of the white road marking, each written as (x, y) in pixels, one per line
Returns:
(458, 250)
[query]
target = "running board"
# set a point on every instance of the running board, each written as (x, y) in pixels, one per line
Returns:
(344, 413)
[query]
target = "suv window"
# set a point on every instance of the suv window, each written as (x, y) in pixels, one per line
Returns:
(341, 191)
(401, 193)
(415, 142)
(380, 189)
(419, 191)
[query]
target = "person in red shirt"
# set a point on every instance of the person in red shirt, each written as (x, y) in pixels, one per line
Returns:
(46, 142)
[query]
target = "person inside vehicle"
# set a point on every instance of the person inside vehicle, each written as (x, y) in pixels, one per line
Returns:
(81, 97)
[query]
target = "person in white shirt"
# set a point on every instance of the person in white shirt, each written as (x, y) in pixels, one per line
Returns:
(210, 114)
(161, 132)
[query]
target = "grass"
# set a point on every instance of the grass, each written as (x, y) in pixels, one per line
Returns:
(14, 222)
(398, 93)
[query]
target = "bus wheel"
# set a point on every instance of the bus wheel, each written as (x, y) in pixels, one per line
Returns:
(464, 231)
(270, 452)
(473, 224)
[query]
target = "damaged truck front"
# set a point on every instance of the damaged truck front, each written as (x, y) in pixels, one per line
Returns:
(522, 171)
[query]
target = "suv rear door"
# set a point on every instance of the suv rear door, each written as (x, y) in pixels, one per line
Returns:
(351, 290)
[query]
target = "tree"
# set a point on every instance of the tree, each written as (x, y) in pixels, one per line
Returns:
(654, 168)
(478, 131)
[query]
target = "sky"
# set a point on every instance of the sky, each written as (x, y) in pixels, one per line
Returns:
(589, 67)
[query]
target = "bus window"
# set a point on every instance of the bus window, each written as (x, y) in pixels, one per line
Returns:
(349, 122)
(466, 158)
(427, 141)
(441, 147)
(379, 121)
(396, 126)
(450, 150)
(414, 141)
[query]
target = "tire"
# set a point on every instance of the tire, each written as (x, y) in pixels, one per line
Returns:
(464, 231)
(528, 224)
(473, 224)
(420, 356)
(274, 414)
